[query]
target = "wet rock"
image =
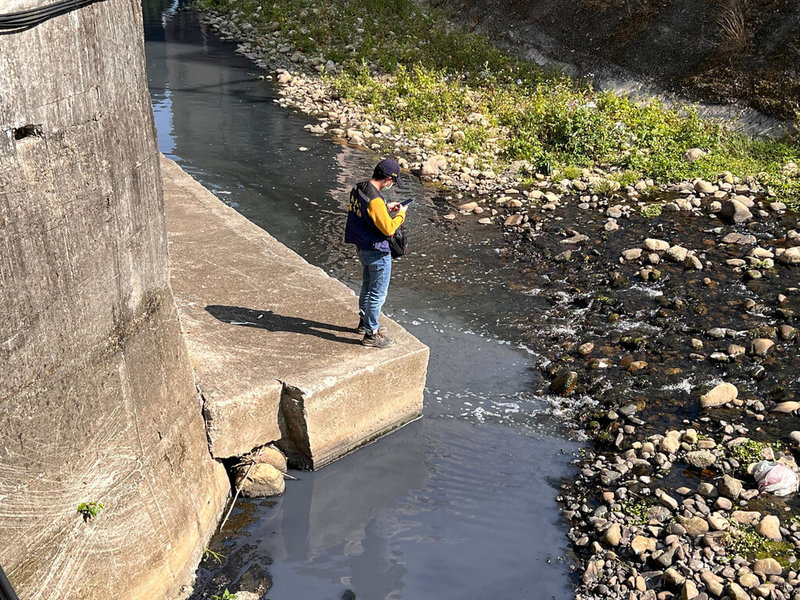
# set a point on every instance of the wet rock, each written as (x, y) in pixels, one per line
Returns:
(586, 349)
(692, 262)
(787, 332)
(761, 346)
(245, 595)
(469, 207)
(632, 254)
(739, 238)
(591, 572)
(730, 487)
(677, 253)
(719, 395)
(667, 500)
(769, 527)
(735, 211)
(262, 481)
(271, 456)
(564, 384)
(512, 220)
(689, 590)
(701, 458)
(707, 490)
(669, 444)
(767, 566)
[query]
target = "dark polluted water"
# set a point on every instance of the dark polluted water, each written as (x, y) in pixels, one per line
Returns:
(460, 504)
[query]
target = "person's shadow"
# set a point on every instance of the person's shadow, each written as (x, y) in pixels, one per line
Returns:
(266, 319)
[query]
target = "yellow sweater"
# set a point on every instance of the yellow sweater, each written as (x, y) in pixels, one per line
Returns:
(377, 211)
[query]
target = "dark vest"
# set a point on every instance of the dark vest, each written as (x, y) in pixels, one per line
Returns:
(360, 229)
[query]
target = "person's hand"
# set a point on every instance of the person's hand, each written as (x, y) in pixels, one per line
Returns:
(392, 206)
(402, 208)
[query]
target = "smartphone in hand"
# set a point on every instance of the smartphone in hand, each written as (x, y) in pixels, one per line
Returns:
(407, 201)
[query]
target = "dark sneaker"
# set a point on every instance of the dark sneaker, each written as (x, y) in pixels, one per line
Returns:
(377, 340)
(362, 329)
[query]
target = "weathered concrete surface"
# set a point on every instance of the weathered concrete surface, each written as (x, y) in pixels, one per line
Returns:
(97, 399)
(272, 341)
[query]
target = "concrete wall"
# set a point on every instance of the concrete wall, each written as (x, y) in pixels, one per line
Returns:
(97, 399)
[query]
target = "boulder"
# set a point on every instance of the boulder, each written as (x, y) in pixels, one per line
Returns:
(654, 245)
(641, 544)
(693, 154)
(761, 346)
(701, 458)
(730, 487)
(613, 535)
(790, 256)
(767, 566)
(434, 165)
(770, 528)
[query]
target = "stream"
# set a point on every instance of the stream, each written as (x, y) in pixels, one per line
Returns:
(460, 504)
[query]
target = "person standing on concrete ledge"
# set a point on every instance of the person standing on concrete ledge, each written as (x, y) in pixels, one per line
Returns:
(370, 223)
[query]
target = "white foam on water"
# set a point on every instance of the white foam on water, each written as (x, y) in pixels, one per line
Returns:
(647, 291)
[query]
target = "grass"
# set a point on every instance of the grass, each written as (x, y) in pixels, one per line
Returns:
(424, 73)
(751, 451)
(650, 211)
(89, 510)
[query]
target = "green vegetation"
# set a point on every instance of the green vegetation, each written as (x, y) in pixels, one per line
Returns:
(209, 553)
(749, 544)
(751, 451)
(414, 68)
(226, 595)
(89, 510)
(650, 211)
(637, 511)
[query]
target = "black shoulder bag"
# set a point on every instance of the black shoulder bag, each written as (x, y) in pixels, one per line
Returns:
(397, 242)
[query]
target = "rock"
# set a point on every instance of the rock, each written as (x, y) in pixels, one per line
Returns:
(434, 165)
(761, 346)
(586, 349)
(244, 595)
(739, 238)
(641, 544)
(707, 490)
(746, 517)
(790, 256)
(689, 591)
(512, 220)
(730, 487)
(701, 458)
(667, 500)
(692, 262)
(723, 503)
(693, 154)
(712, 582)
(795, 437)
(769, 527)
(677, 253)
(468, 206)
(695, 526)
(590, 573)
(789, 406)
(735, 211)
(704, 187)
(632, 254)
(767, 566)
(564, 384)
(284, 77)
(669, 445)
(720, 395)
(263, 481)
(613, 534)
(748, 580)
(736, 592)
(673, 578)
(787, 332)
(654, 245)
(488, 221)
(717, 522)
(271, 456)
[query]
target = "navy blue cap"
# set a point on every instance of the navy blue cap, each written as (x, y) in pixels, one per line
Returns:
(388, 168)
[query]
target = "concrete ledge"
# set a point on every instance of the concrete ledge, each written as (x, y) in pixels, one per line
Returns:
(272, 342)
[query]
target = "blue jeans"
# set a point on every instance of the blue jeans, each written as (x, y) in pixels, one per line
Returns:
(374, 286)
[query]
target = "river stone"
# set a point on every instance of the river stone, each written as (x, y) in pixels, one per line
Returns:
(767, 566)
(641, 544)
(707, 490)
(632, 253)
(735, 211)
(746, 517)
(723, 503)
(667, 500)
(666, 557)
(787, 332)
(512, 220)
(790, 256)
(730, 487)
(704, 187)
(263, 481)
(748, 580)
(736, 592)
(272, 456)
(786, 407)
(468, 206)
(718, 522)
(721, 394)
(669, 444)
(659, 514)
(673, 578)
(761, 346)
(434, 165)
(740, 239)
(677, 253)
(613, 534)
(242, 595)
(695, 526)
(654, 245)
(564, 384)
(701, 458)
(689, 591)
(770, 528)
(693, 154)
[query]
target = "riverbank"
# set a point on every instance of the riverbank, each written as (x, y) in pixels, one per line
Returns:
(477, 119)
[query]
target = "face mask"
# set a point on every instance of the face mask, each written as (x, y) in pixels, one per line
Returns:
(389, 186)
